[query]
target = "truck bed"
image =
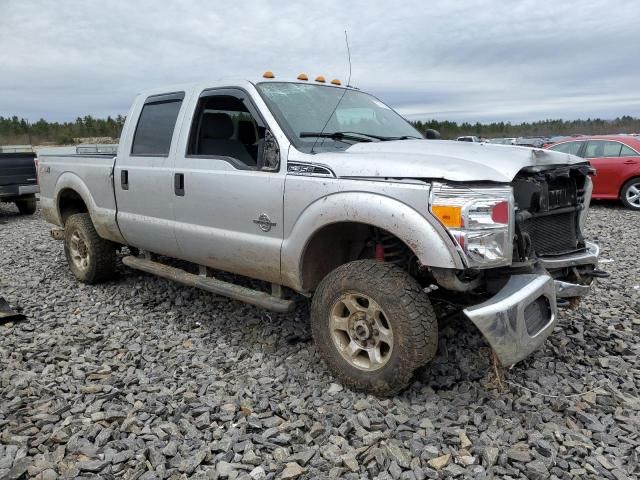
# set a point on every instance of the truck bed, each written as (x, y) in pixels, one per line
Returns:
(91, 176)
(17, 174)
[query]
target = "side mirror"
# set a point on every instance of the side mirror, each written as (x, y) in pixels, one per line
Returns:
(268, 152)
(432, 134)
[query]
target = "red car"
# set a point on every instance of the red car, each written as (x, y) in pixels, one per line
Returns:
(616, 159)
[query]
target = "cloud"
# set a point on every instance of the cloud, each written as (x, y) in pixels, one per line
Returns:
(466, 60)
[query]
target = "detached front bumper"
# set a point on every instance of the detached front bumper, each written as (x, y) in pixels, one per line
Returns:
(517, 320)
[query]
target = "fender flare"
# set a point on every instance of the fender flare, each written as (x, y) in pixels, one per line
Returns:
(425, 237)
(104, 219)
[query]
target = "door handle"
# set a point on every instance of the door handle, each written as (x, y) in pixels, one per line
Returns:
(630, 162)
(178, 184)
(124, 179)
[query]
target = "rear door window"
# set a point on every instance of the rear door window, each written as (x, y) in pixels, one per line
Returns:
(628, 152)
(602, 148)
(156, 125)
(568, 147)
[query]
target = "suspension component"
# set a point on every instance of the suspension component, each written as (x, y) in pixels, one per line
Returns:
(389, 248)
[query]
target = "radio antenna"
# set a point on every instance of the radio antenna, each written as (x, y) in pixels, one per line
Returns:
(346, 41)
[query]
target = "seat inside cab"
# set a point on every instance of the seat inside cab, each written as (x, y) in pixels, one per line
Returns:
(223, 127)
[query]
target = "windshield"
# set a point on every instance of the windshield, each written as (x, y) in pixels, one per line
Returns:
(305, 108)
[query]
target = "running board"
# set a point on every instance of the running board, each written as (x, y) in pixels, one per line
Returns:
(213, 285)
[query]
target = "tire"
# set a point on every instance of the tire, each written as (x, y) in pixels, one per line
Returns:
(630, 194)
(26, 206)
(91, 258)
(404, 309)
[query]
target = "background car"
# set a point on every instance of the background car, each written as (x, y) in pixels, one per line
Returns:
(616, 159)
(502, 141)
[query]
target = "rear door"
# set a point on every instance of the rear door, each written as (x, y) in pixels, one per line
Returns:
(604, 156)
(143, 176)
(229, 187)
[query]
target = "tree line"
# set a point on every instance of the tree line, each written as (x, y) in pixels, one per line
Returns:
(19, 131)
(543, 128)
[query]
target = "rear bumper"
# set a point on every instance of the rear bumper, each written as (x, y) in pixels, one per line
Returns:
(28, 189)
(14, 191)
(518, 319)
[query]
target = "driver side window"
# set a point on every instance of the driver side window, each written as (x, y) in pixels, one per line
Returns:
(224, 127)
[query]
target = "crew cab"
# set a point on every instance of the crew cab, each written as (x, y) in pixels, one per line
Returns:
(322, 190)
(18, 178)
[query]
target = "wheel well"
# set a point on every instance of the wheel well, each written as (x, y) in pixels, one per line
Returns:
(635, 177)
(339, 243)
(70, 203)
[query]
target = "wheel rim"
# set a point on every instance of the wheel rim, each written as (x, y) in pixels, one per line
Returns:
(79, 251)
(361, 331)
(633, 194)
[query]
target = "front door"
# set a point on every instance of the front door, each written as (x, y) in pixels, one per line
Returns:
(228, 198)
(143, 176)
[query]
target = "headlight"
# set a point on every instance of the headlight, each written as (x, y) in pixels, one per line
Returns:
(480, 220)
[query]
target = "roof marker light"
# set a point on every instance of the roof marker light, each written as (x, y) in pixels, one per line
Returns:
(268, 74)
(320, 79)
(335, 81)
(303, 76)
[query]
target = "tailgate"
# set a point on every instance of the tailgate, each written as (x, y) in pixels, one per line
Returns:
(17, 169)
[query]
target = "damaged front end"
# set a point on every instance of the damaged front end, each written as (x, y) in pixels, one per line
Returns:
(550, 262)
(551, 211)
(518, 319)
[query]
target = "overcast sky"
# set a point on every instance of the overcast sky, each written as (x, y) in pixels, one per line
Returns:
(463, 60)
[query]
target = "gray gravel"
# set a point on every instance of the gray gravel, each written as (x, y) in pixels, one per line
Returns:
(142, 379)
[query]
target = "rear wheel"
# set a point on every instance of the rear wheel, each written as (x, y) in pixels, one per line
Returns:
(630, 194)
(91, 258)
(26, 206)
(373, 325)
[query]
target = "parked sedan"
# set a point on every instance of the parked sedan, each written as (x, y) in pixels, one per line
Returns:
(616, 159)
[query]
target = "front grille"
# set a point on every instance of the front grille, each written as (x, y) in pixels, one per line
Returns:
(536, 315)
(552, 234)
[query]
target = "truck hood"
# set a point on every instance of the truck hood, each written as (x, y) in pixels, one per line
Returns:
(443, 159)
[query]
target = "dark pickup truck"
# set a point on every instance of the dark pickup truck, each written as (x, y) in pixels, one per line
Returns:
(18, 178)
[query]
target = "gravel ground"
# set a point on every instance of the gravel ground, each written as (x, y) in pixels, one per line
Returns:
(141, 378)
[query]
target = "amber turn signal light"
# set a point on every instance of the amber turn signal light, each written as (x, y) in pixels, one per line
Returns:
(450, 216)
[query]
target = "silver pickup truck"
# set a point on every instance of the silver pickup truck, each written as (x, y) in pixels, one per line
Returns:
(322, 190)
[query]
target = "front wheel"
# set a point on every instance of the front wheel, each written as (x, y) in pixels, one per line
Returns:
(373, 325)
(630, 194)
(91, 258)
(26, 206)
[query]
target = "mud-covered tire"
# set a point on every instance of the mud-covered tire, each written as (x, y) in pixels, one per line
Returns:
(406, 308)
(629, 194)
(26, 206)
(91, 258)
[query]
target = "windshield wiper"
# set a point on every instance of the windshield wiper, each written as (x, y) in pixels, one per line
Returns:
(380, 137)
(355, 136)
